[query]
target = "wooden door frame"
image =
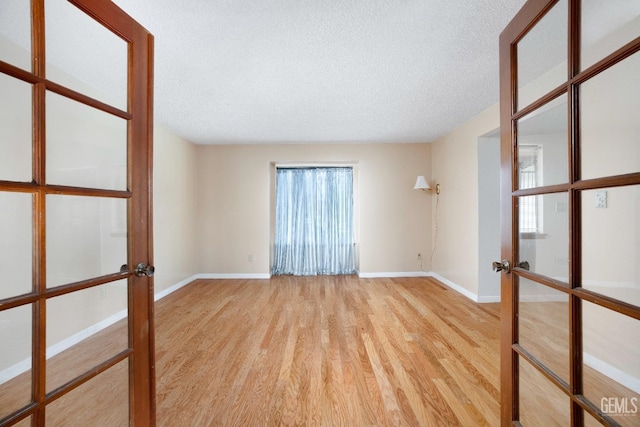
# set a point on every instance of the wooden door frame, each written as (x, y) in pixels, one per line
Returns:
(141, 298)
(140, 206)
(139, 114)
(510, 351)
(509, 409)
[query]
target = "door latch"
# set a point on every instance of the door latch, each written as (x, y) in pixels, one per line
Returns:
(143, 269)
(524, 265)
(502, 266)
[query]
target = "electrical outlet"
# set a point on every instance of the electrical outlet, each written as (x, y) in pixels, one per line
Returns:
(601, 199)
(560, 207)
(250, 257)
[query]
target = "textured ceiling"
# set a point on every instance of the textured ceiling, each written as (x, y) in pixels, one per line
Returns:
(309, 71)
(312, 71)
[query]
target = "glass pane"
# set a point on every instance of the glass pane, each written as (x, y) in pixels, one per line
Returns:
(543, 322)
(589, 421)
(86, 237)
(15, 244)
(611, 369)
(102, 401)
(544, 234)
(97, 140)
(611, 242)
(84, 329)
(15, 33)
(542, 56)
(609, 121)
(541, 402)
(15, 359)
(24, 423)
(606, 26)
(15, 129)
(85, 56)
(543, 146)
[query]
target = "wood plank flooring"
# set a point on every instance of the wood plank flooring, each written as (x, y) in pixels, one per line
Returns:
(326, 351)
(320, 351)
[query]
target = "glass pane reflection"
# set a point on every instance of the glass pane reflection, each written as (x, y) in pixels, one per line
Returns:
(543, 325)
(544, 234)
(611, 242)
(85, 56)
(15, 33)
(15, 359)
(543, 146)
(607, 26)
(541, 402)
(84, 329)
(589, 421)
(24, 423)
(542, 56)
(16, 240)
(97, 140)
(610, 356)
(86, 237)
(609, 105)
(15, 130)
(102, 401)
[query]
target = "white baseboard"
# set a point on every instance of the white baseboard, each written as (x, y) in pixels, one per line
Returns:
(74, 339)
(233, 276)
(467, 293)
(24, 365)
(175, 287)
(464, 291)
(601, 284)
(489, 298)
(392, 274)
(15, 370)
(544, 298)
(445, 281)
(612, 372)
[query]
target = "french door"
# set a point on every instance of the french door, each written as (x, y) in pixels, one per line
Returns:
(570, 188)
(76, 293)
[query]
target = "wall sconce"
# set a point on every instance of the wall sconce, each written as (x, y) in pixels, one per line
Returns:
(421, 184)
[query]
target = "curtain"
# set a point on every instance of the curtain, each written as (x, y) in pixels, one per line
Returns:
(314, 222)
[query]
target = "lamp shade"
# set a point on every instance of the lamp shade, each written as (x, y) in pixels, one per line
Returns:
(421, 184)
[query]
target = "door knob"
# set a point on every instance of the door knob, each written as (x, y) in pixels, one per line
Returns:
(143, 269)
(502, 266)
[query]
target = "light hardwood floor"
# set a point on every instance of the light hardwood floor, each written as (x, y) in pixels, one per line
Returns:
(326, 351)
(332, 351)
(329, 350)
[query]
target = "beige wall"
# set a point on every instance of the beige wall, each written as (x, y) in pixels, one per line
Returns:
(175, 202)
(455, 168)
(235, 203)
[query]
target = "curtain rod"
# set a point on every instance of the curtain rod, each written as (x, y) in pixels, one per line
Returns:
(313, 167)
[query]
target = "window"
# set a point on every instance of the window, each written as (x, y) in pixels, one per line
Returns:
(314, 221)
(530, 172)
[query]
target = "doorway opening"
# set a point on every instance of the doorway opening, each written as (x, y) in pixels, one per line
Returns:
(488, 215)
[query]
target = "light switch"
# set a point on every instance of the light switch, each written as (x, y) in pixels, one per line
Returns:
(601, 199)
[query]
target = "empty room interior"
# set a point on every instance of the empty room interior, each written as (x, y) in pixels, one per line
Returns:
(319, 213)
